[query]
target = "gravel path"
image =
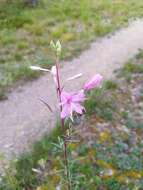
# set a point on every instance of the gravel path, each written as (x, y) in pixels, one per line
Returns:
(23, 118)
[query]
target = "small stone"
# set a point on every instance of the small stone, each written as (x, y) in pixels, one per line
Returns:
(107, 172)
(125, 129)
(137, 93)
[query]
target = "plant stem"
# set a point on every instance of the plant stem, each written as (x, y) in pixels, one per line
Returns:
(66, 160)
(63, 127)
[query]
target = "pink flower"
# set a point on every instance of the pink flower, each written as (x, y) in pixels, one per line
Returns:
(74, 77)
(94, 82)
(54, 73)
(71, 102)
(54, 70)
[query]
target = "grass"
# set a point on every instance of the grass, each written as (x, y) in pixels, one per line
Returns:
(133, 66)
(27, 31)
(24, 176)
(100, 104)
(113, 158)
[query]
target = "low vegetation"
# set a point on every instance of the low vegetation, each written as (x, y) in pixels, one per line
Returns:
(27, 31)
(108, 150)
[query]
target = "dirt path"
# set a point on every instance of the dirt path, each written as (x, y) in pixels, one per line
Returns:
(24, 119)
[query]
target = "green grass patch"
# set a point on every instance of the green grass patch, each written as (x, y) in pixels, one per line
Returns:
(20, 174)
(101, 103)
(111, 85)
(132, 67)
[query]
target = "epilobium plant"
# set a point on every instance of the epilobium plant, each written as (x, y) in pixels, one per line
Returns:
(70, 103)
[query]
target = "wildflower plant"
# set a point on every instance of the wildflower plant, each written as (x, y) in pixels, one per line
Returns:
(70, 105)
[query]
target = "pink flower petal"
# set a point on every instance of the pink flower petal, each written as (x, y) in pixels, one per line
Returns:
(71, 102)
(36, 68)
(79, 97)
(65, 96)
(94, 82)
(75, 77)
(54, 70)
(54, 73)
(77, 108)
(66, 111)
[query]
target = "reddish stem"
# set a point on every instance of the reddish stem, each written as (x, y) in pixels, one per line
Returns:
(62, 124)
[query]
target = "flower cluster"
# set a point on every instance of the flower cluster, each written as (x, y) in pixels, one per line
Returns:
(71, 102)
